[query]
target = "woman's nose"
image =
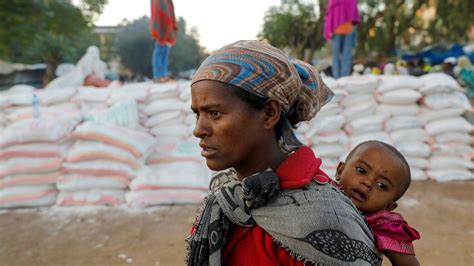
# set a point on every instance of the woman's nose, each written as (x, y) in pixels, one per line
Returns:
(200, 130)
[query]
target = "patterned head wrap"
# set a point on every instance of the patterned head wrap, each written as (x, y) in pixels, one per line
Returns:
(266, 71)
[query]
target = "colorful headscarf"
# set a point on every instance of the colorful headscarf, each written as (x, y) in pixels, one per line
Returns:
(266, 71)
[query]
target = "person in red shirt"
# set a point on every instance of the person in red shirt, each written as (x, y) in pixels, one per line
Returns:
(269, 202)
(163, 28)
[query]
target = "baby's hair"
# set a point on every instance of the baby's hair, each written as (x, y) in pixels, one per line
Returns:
(394, 151)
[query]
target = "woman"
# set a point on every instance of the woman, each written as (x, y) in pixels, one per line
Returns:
(270, 204)
(339, 20)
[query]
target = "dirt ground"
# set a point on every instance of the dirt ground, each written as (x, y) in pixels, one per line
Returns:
(443, 213)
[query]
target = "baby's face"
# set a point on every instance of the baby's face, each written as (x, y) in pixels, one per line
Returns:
(372, 178)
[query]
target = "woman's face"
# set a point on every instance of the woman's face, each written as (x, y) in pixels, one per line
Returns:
(229, 129)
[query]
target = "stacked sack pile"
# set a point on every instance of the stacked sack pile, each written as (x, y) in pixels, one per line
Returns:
(360, 110)
(33, 142)
(175, 172)
(398, 98)
(4, 102)
(165, 113)
(420, 116)
(109, 151)
(92, 100)
(325, 132)
(20, 98)
(123, 96)
(31, 153)
(443, 106)
(134, 144)
(110, 146)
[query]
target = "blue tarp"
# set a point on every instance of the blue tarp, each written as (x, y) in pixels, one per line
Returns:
(437, 54)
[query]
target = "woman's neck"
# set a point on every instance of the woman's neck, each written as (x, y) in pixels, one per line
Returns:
(271, 157)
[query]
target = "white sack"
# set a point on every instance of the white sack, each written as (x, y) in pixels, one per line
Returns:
(410, 135)
(391, 83)
(438, 82)
(404, 96)
(404, 122)
(414, 149)
(455, 124)
(379, 136)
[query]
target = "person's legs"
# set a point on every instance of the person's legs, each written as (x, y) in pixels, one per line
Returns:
(336, 48)
(166, 53)
(347, 43)
(157, 61)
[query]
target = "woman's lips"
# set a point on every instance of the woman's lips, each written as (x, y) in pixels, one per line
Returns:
(207, 151)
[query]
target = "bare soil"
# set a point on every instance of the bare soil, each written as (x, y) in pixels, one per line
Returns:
(442, 213)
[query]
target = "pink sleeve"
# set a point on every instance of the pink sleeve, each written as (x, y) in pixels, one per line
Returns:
(392, 232)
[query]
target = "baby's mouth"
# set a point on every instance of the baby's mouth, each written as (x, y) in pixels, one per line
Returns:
(358, 195)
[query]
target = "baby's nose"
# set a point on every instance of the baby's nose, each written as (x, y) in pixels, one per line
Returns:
(366, 182)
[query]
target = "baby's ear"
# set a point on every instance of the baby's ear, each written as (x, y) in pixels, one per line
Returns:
(391, 206)
(339, 169)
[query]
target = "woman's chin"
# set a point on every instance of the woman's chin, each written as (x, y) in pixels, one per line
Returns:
(214, 166)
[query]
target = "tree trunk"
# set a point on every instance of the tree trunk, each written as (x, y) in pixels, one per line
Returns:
(50, 72)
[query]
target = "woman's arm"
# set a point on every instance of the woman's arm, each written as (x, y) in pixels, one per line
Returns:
(398, 259)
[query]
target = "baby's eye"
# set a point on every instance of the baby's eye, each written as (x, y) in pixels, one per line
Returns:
(215, 114)
(360, 170)
(382, 186)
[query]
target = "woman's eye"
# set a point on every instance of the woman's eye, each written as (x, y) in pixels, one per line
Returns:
(215, 114)
(360, 170)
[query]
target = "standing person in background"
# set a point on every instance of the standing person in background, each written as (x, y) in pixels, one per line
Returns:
(163, 31)
(339, 20)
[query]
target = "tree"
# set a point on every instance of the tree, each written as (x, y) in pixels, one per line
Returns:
(389, 25)
(452, 22)
(49, 31)
(296, 26)
(186, 53)
(384, 24)
(135, 48)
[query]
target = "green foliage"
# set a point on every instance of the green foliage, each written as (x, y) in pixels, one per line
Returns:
(453, 18)
(186, 53)
(296, 26)
(91, 9)
(46, 31)
(384, 24)
(135, 48)
(389, 25)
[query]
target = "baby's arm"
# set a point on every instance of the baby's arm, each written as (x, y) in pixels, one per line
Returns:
(397, 258)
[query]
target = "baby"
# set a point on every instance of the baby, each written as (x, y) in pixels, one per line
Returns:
(374, 176)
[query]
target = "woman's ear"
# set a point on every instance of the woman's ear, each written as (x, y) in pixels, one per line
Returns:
(272, 113)
(339, 169)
